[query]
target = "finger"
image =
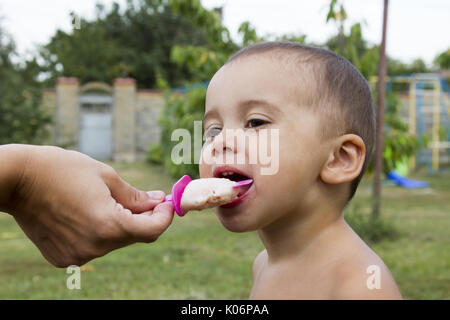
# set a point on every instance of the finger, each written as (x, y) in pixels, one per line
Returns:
(147, 227)
(135, 200)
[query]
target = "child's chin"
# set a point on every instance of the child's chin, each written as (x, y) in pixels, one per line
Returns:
(235, 228)
(235, 224)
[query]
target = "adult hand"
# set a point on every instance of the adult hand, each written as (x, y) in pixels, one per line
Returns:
(73, 207)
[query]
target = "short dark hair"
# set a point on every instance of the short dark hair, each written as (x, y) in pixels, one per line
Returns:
(340, 84)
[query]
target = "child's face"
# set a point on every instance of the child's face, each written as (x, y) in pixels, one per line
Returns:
(258, 92)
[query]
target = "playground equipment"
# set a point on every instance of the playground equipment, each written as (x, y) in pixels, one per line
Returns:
(426, 109)
(405, 182)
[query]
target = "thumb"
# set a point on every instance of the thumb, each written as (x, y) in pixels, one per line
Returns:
(136, 201)
(147, 226)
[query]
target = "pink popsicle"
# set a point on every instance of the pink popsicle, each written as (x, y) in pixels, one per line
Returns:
(180, 185)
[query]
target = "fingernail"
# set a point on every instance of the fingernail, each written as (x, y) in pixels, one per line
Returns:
(156, 195)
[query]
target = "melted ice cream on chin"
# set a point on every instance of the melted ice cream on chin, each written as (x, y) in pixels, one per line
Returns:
(207, 193)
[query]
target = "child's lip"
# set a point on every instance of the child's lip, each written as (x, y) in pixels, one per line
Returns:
(237, 201)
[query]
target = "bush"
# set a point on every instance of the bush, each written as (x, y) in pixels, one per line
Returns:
(369, 228)
(399, 145)
(22, 118)
(180, 112)
(155, 154)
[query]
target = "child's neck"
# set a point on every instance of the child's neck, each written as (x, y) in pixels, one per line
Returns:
(294, 236)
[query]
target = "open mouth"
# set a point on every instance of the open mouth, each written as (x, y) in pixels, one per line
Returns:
(234, 175)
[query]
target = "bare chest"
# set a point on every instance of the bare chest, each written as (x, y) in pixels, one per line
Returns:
(288, 283)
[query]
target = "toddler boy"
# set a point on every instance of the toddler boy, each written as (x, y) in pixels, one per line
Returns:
(322, 110)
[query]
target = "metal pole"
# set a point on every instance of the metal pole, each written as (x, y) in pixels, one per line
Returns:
(412, 116)
(378, 164)
(436, 124)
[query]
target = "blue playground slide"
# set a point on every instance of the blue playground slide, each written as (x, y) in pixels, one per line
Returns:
(405, 182)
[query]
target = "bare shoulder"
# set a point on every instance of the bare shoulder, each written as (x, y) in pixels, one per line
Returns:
(363, 275)
(259, 262)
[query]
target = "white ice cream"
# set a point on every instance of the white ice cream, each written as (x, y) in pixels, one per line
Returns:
(207, 193)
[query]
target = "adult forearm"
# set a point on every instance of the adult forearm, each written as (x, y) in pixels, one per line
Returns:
(13, 158)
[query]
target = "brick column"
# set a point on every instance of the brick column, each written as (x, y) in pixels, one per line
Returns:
(67, 115)
(124, 119)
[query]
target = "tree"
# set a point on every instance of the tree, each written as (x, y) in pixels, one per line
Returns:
(443, 59)
(352, 46)
(134, 42)
(22, 120)
(204, 60)
(248, 34)
(396, 67)
(339, 16)
(378, 160)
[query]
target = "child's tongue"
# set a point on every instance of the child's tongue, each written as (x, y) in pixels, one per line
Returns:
(243, 189)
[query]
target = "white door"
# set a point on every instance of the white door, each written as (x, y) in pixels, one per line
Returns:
(95, 137)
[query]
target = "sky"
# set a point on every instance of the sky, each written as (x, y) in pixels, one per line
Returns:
(416, 28)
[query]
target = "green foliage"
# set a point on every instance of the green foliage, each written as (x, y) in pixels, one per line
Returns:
(248, 34)
(180, 112)
(132, 42)
(370, 229)
(202, 62)
(353, 47)
(395, 67)
(218, 35)
(22, 120)
(399, 145)
(443, 60)
(155, 154)
(368, 63)
(300, 38)
(336, 14)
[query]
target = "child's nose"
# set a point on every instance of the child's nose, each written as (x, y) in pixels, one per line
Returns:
(224, 143)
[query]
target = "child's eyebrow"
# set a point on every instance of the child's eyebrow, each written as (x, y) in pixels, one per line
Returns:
(258, 102)
(210, 113)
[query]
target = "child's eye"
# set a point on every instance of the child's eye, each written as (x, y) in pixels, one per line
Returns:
(255, 123)
(212, 132)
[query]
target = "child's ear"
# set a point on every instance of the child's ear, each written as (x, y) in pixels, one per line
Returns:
(345, 161)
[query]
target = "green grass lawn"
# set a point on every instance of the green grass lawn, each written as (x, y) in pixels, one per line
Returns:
(198, 259)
